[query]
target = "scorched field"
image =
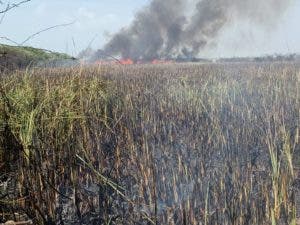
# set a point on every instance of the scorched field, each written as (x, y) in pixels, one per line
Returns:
(182, 144)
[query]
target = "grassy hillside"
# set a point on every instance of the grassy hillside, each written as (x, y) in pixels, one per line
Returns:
(12, 57)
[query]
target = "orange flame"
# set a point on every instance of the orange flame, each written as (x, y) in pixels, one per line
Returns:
(126, 62)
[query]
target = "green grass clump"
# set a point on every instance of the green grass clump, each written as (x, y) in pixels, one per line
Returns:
(30, 53)
(14, 57)
(166, 144)
(41, 115)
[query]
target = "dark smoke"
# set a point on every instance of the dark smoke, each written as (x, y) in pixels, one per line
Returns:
(165, 29)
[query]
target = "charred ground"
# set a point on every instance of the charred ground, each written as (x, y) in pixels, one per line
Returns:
(151, 144)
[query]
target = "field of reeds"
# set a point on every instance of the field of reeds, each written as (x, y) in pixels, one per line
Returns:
(184, 144)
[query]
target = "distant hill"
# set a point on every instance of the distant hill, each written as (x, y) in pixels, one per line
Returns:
(15, 57)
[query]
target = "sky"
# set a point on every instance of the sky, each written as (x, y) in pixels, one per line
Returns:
(96, 20)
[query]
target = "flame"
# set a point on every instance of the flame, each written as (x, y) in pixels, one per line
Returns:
(126, 62)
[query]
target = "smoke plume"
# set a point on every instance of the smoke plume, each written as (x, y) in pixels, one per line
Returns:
(166, 29)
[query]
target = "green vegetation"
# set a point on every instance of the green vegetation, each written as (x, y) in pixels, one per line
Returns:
(21, 56)
(165, 144)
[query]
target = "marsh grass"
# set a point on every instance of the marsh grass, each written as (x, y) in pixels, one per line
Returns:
(164, 144)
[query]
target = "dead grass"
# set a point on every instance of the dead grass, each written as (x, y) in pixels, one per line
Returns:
(169, 144)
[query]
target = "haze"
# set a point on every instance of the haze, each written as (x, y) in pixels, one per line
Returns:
(99, 20)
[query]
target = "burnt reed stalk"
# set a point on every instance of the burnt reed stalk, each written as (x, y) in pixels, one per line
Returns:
(143, 144)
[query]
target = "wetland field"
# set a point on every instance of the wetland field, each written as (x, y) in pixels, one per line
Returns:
(173, 144)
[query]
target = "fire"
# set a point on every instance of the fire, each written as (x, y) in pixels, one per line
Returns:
(126, 62)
